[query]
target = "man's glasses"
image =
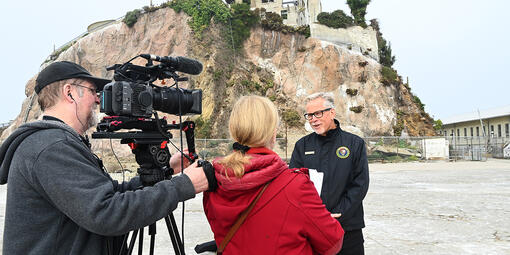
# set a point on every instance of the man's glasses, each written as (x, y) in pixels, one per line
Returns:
(317, 114)
(93, 90)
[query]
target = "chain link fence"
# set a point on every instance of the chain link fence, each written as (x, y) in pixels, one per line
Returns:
(379, 149)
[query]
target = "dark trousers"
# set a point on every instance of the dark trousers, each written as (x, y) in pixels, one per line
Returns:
(353, 243)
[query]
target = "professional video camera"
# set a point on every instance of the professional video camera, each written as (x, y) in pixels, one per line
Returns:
(133, 94)
(131, 100)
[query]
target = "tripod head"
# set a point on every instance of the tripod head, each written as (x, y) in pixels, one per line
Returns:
(150, 145)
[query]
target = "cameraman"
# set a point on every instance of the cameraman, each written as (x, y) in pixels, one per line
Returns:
(59, 199)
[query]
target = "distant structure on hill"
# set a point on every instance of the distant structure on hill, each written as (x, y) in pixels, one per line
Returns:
(494, 122)
(294, 13)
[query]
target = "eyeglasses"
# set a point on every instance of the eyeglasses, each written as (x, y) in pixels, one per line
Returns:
(93, 90)
(317, 114)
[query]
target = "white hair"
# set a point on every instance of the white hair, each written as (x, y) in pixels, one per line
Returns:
(329, 100)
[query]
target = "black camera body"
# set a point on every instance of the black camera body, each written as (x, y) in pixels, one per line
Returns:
(132, 99)
(124, 98)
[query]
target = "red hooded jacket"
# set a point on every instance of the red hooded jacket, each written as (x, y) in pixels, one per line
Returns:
(289, 218)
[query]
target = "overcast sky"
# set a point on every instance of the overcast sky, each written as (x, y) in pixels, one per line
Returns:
(455, 52)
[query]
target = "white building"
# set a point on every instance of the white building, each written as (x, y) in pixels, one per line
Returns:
(294, 13)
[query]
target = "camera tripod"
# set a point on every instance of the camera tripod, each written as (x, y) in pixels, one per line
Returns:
(153, 156)
(172, 230)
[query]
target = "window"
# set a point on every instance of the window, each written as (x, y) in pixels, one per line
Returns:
(267, 1)
(499, 130)
(465, 131)
(477, 131)
(283, 13)
(471, 131)
(458, 132)
(492, 130)
(484, 130)
(452, 133)
(507, 131)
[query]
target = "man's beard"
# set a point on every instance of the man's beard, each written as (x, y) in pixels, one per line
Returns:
(92, 119)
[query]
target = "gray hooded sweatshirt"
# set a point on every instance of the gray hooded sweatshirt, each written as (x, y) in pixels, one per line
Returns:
(60, 201)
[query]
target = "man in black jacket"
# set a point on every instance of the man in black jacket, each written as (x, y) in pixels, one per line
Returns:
(341, 157)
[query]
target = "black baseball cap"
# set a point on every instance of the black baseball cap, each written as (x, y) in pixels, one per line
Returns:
(62, 70)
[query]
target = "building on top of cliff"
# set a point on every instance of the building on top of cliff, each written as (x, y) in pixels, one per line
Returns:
(293, 13)
(305, 12)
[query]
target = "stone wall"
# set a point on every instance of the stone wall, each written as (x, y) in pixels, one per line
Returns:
(356, 38)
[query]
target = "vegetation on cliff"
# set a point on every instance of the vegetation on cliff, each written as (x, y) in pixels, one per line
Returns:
(358, 11)
(237, 19)
(336, 19)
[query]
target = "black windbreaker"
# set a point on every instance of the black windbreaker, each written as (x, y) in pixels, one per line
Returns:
(342, 157)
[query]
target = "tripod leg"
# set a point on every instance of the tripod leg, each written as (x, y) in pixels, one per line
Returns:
(174, 234)
(123, 244)
(140, 242)
(152, 233)
(132, 242)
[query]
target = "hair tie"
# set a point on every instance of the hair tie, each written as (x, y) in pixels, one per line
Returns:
(239, 147)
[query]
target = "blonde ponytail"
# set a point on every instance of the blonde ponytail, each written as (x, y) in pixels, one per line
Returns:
(252, 123)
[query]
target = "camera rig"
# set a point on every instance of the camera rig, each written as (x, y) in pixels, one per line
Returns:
(130, 101)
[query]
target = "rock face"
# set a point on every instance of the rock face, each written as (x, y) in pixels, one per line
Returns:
(284, 67)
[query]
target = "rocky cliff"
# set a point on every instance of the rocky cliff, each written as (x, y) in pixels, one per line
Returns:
(284, 67)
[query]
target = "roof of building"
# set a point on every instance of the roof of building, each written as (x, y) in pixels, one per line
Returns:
(484, 114)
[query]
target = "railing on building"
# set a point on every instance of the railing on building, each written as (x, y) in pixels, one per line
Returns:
(5, 125)
(477, 147)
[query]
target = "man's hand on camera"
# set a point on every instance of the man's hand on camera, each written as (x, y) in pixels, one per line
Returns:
(197, 177)
(175, 161)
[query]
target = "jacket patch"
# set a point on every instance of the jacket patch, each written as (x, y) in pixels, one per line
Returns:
(309, 152)
(343, 152)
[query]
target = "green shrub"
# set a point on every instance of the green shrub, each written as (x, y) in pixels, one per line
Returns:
(274, 21)
(389, 76)
(398, 127)
(358, 11)
(438, 124)
(202, 128)
(243, 19)
(336, 19)
(217, 75)
(131, 17)
(394, 158)
(385, 56)
(418, 102)
(202, 11)
(412, 158)
(148, 9)
(351, 92)
(356, 109)
(291, 118)
(304, 30)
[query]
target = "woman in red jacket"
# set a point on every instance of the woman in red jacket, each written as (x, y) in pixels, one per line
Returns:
(289, 217)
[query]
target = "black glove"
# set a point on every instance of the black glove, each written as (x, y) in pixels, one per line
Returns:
(209, 174)
(150, 175)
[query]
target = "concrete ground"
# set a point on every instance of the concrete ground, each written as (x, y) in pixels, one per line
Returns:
(410, 208)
